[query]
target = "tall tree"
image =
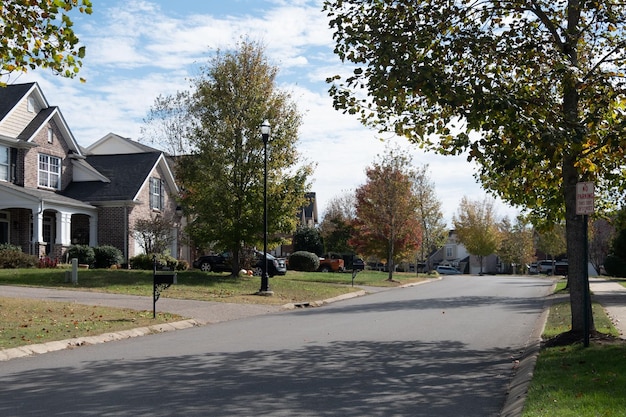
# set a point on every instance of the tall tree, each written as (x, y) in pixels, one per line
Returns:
(533, 90)
(477, 228)
(308, 239)
(168, 122)
(40, 34)
(552, 241)
(518, 245)
(337, 225)
(223, 177)
(434, 230)
(387, 223)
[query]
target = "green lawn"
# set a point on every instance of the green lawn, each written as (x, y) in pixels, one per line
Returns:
(293, 287)
(24, 322)
(574, 381)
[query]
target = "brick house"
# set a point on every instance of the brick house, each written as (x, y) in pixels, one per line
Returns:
(54, 193)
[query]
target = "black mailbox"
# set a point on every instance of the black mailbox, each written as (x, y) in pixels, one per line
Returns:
(165, 278)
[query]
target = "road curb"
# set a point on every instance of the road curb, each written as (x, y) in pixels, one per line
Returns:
(36, 349)
(525, 367)
(29, 350)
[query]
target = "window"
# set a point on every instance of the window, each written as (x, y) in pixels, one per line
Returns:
(49, 172)
(449, 252)
(30, 105)
(4, 163)
(50, 135)
(156, 194)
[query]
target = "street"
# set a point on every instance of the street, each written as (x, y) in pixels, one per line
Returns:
(446, 348)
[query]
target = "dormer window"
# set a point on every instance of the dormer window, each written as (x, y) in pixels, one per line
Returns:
(50, 135)
(30, 106)
(49, 172)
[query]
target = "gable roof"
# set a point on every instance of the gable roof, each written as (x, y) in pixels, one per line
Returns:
(113, 143)
(127, 173)
(11, 95)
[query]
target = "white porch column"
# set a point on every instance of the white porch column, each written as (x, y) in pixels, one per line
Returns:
(37, 236)
(93, 230)
(64, 228)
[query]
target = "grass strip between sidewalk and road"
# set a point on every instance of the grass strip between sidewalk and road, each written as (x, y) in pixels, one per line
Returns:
(25, 321)
(574, 381)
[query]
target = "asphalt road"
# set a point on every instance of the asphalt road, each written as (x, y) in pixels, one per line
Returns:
(447, 348)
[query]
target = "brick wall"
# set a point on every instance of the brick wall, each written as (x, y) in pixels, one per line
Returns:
(111, 227)
(29, 173)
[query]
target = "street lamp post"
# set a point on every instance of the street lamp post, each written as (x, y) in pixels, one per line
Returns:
(265, 287)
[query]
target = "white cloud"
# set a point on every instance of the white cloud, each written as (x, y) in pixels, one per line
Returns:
(139, 50)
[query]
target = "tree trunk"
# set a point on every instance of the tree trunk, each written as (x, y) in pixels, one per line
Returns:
(390, 265)
(575, 234)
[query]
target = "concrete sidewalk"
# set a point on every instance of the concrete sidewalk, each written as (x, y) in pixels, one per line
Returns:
(612, 296)
(203, 312)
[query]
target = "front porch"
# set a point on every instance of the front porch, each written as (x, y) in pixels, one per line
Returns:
(44, 223)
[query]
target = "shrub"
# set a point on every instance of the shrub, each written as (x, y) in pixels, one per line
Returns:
(83, 253)
(183, 265)
(615, 266)
(12, 258)
(146, 261)
(106, 256)
(8, 246)
(304, 261)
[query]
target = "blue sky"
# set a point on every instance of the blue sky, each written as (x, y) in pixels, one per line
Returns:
(140, 49)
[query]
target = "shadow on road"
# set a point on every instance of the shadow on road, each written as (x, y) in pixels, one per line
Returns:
(336, 379)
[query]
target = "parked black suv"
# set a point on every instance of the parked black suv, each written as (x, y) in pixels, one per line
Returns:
(223, 263)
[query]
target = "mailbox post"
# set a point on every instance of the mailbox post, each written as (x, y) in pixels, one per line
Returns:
(161, 280)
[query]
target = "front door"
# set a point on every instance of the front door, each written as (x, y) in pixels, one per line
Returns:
(49, 230)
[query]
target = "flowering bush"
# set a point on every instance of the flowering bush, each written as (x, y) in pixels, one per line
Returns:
(47, 262)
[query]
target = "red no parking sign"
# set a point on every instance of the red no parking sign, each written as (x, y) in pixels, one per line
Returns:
(584, 198)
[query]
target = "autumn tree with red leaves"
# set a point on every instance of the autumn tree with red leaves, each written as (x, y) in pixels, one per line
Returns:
(387, 224)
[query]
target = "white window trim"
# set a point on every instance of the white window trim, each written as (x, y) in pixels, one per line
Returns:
(7, 164)
(157, 198)
(47, 174)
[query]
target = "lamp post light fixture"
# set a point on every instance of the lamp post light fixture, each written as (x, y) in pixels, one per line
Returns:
(265, 286)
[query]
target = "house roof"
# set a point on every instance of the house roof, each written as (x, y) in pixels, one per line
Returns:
(309, 211)
(11, 95)
(35, 124)
(113, 143)
(12, 193)
(127, 174)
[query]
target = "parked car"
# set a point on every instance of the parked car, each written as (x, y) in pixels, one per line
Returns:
(447, 270)
(275, 266)
(213, 263)
(561, 268)
(545, 267)
(532, 269)
(223, 263)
